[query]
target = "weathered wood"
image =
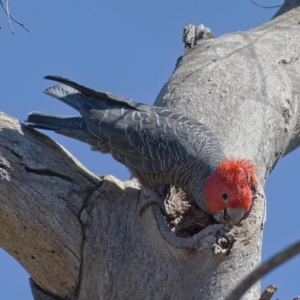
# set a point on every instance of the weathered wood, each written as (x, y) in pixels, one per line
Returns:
(262, 270)
(84, 237)
(245, 87)
(268, 292)
(43, 191)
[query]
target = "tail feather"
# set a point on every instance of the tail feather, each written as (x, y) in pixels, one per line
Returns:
(54, 122)
(82, 89)
(66, 94)
(93, 93)
(74, 94)
(73, 127)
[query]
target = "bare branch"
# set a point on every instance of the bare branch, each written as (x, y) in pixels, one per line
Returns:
(261, 6)
(22, 25)
(263, 270)
(10, 17)
(268, 292)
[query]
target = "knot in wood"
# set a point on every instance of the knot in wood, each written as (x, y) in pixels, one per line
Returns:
(224, 242)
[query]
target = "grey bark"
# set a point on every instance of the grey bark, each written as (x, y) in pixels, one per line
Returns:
(268, 292)
(85, 237)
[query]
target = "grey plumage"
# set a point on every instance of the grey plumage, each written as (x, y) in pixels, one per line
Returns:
(160, 146)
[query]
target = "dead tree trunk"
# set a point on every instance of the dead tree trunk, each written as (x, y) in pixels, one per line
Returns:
(84, 237)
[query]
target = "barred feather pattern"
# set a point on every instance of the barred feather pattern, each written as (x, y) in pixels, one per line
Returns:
(159, 146)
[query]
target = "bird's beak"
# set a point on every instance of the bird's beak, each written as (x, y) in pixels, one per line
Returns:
(230, 215)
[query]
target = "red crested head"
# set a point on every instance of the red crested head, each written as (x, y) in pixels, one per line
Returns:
(228, 189)
(241, 171)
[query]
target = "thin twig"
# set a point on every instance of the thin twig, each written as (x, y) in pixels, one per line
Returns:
(264, 269)
(10, 17)
(27, 29)
(7, 13)
(268, 292)
(261, 6)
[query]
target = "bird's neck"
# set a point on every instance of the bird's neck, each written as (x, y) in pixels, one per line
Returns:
(200, 172)
(191, 175)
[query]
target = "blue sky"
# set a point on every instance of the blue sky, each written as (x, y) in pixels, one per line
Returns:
(129, 48)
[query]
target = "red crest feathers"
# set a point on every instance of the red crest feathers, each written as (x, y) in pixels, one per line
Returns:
(241, 171)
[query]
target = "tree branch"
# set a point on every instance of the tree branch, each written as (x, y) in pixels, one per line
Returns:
(271, 264)
(259, 89)
(261, 6)
(10, 17)
(268, 292)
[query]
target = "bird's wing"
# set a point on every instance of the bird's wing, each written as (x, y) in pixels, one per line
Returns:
(144, 141)
(147, 141)
(91, 93)
(146, 138)
(73, 94)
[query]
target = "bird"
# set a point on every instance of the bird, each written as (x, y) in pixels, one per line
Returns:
(160, 146)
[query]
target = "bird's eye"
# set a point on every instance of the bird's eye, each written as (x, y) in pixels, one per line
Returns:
(224, 196)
